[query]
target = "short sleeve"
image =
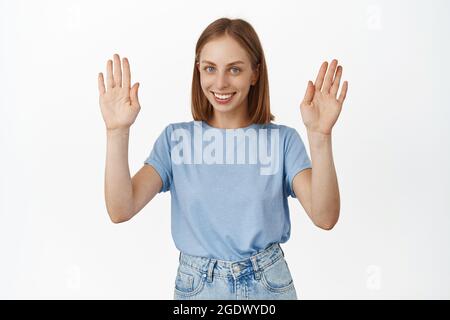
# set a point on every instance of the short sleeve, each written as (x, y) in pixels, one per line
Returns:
(160, 158)
(295, 159)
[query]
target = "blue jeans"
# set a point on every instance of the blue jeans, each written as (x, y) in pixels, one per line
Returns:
(264, 275)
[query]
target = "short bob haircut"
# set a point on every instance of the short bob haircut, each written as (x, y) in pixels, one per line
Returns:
(258, 95)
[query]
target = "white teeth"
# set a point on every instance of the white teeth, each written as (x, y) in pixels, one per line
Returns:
(223, 97)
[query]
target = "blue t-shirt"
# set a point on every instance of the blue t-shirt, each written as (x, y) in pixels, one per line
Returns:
(229, 187)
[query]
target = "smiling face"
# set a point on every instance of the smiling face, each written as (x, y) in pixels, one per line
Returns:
(225, 69)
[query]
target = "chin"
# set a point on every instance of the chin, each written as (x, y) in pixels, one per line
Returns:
(224, 107)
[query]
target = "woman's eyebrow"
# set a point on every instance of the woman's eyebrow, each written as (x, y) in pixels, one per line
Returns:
(235, 62)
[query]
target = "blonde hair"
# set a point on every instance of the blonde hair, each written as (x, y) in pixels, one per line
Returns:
(258, 95)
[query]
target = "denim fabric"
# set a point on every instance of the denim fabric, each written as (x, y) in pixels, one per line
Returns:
(263, 276)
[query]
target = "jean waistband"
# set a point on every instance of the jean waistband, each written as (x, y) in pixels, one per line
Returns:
(255, 263)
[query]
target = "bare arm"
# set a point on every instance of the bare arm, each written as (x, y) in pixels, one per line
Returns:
(120, 106)
(124, 196)
(146, 184)
(325, 201)
(302, 189)
(118, 186)
(317, 189)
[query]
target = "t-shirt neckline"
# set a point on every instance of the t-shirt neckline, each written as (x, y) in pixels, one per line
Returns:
(206, 125)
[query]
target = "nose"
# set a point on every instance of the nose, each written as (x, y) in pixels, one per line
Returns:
(221, 81)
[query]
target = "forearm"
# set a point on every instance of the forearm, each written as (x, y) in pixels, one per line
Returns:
(118, 185)
(325, 199)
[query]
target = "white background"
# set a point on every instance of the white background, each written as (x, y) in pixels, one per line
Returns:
(390, 143)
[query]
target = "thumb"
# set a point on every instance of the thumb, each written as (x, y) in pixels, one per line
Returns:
(134, 95)
(309, 94)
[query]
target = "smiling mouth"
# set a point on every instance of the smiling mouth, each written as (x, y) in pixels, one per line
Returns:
(223, 96)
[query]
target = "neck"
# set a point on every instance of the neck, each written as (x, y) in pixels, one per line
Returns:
(228, 123)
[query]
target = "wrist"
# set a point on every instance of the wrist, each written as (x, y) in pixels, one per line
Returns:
(319, 134)
(318, 139)
(118, 132)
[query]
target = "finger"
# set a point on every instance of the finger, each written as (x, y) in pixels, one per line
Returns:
(117, 71)
(109, 76)
(337, 79)
(343, 92)
(329, 77)
(309, 94)
(134, 95)
(101, 84)
(126, 73)
(320, 76)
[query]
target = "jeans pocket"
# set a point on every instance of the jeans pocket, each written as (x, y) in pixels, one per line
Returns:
(189, 281)
(277, 277)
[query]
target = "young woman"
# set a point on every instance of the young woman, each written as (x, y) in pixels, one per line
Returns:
(230, 170)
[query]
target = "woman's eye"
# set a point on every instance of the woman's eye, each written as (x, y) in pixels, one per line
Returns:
(236, 70)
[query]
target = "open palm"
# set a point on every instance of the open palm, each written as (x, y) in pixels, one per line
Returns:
(119, 103)
(320, 108)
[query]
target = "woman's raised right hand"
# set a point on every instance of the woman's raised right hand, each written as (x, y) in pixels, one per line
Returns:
(118, 102)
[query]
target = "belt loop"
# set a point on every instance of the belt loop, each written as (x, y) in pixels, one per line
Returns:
(255, 268)
(179, 257)
(211, 265)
